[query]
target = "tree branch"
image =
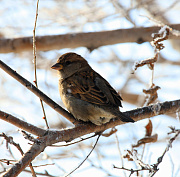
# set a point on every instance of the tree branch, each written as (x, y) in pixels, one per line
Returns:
(79, 130)
(22, 124)
(86, 128)
(34, 151)
(90, 40)
(51, 137)
(156, 109)
(36, 91)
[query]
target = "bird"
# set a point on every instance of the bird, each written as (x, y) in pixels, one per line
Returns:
(85, 93)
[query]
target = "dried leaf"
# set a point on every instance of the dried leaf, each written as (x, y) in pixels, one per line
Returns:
(152, 94)
(147, 139)
(149, 128)
(128, 157)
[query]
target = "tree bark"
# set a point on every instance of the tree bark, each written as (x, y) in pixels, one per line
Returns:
(91, 40)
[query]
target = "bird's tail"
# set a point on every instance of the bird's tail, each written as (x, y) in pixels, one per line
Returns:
(125, 118)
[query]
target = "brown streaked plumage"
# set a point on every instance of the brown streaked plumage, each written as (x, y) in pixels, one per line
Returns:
(85, 93)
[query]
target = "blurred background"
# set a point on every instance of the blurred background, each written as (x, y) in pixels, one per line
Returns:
(113, 62)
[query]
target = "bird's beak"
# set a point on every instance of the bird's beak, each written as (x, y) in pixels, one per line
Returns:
(57, 66)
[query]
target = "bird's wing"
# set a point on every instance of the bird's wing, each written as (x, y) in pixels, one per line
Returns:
(93, 88)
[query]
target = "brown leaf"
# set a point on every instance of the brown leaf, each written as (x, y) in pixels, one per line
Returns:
(146, 139)
(149, 128)
(128, 157)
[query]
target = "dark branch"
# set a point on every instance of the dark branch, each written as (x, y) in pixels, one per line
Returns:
(36, 91)
(51, 137)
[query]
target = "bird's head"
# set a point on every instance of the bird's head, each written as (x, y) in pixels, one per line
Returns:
(69, 63)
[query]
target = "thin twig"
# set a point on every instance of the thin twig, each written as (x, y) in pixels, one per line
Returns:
(85, 158)
(144, 145)
(139, 114)
(36, 91)
(68, 144)
(159, 160)
(29, 137)
(10, 140)
(153, 169)
(46, 174)
(131, 170)
(119, 150)
(52, 137)
(34, 53)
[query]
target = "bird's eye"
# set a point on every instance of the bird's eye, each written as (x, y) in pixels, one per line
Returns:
(67, 62)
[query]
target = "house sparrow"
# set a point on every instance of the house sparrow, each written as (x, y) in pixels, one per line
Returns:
(85, 93)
